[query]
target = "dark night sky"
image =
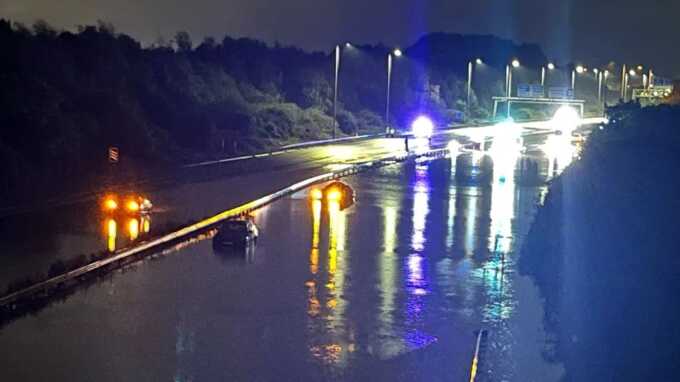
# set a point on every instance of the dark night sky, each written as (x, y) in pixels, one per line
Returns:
(587, 31)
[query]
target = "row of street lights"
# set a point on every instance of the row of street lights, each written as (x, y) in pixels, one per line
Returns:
(646, 78)
(601, 76)
(395, 53)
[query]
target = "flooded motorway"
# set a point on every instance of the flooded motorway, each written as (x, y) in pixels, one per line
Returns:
(31, 243)
(391, 288)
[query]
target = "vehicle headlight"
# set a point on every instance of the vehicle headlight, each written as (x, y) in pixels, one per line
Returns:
(110, 204)
(422, 127)
(334, 195)
(132, 206)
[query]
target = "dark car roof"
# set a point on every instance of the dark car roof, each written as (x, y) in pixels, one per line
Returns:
(235, 224)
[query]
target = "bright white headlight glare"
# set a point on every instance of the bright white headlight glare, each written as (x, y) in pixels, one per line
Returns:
(422, 127)
(566, 120)
(454, 147)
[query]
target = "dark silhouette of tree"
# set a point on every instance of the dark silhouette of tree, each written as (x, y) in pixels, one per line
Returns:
(183, 41)
(42, 29)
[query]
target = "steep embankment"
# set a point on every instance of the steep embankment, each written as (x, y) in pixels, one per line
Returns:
(603, 250)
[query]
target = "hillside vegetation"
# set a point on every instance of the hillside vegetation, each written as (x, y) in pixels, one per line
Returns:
(67, 96)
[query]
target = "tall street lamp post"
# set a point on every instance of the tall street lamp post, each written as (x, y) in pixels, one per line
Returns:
(508, 76)
(544, 73)
(395, 53)
(577, 70)
(469, 84)
(626, 82)
(508, 82)
(335, 92)
(599, 86)
(605, 76)
(623, 82)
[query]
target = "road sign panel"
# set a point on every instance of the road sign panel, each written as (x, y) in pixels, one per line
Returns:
(114, 154)
(530, 91)
(560, 92)
(524, 91)
(537, 91)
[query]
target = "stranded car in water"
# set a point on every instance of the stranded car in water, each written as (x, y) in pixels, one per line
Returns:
(236, 233)
(334, 192)
(126, 204)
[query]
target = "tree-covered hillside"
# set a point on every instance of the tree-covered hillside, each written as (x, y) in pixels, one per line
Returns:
(67, 96)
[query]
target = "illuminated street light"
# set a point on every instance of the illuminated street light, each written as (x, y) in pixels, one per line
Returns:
(580, 69)
(508, 81)
(551, 66)
(626, 82)
(599, 85)
(397, 53)
(623, 82)
(508, 77)
(478, 61)
(335, 92)
(639, 67)
(348, 45)
(596, 71)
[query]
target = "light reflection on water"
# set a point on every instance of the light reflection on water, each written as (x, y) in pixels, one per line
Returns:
(501, 240)
(420, 207)
(326, 305)
(388, 345)
(479, 226)
(133, 228)
(420, 262)
(560, 152)
(111, 231)
(416, 263)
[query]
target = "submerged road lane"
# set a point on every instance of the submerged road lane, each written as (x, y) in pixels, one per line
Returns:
(391, 288)
(29, 244)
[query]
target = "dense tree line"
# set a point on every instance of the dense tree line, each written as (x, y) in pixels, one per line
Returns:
(67, 96)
